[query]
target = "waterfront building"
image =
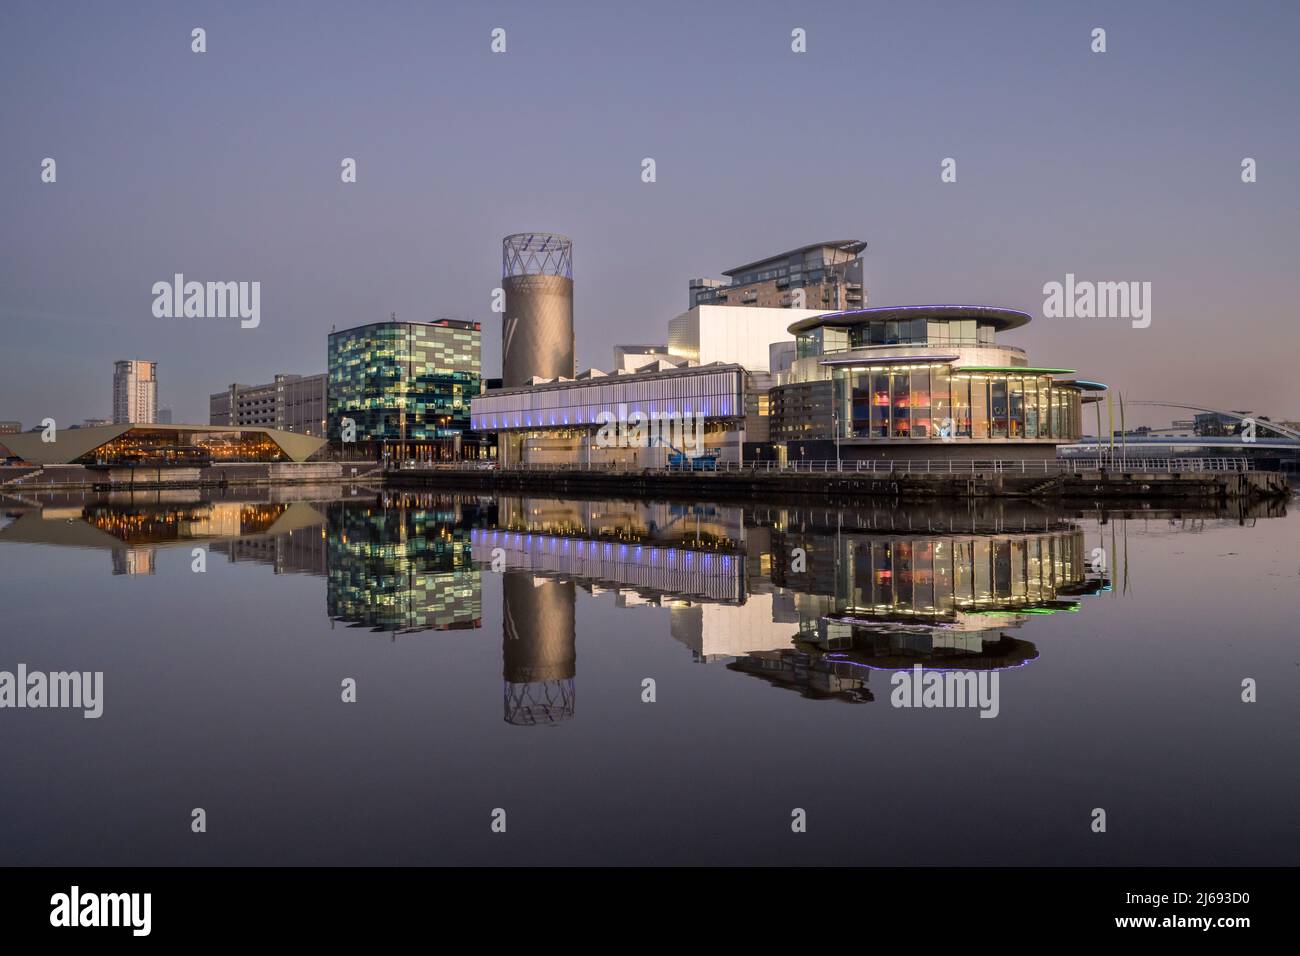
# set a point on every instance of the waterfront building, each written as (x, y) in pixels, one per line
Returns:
(926, 381)
(1219, 424)
(153, 444)
(537, 328)
(10, 428)
(135, 392)
(824, 276)
(558, 422)
(407, 386)
(292, 403)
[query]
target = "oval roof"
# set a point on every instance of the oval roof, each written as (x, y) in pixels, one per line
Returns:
(1000, 319)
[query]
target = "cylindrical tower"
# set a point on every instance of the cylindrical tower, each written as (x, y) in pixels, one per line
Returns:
(537, 335)
(539, 649)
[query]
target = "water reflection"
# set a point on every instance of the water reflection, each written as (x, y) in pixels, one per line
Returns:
(806, 599)
(400, 569)
(539, 648)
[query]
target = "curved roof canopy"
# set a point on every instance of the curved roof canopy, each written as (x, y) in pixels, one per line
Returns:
(71, 444)
(1000, 319)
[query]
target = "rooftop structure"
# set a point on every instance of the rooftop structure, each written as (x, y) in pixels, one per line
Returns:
(725, 333)
(821, 276)
(629, 358)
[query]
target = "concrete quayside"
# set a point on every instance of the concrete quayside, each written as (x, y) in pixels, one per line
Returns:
(142, 477)
(1214, 479)
(1209, 479)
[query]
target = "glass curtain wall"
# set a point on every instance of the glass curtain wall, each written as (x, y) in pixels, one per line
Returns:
(936, 402)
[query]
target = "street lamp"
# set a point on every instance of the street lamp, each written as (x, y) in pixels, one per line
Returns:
(835, 423)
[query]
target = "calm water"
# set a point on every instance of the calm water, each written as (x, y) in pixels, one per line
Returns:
(499, 648)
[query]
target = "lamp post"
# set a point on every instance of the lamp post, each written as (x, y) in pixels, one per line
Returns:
(835, 424)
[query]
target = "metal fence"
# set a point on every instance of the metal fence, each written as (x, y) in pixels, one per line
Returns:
(1017, 466)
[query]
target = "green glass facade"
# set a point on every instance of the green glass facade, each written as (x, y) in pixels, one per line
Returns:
(407, 385)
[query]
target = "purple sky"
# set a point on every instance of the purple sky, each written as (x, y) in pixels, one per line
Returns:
(225, 166)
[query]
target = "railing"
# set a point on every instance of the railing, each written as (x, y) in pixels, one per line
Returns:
(924, 466)
(1013, 466)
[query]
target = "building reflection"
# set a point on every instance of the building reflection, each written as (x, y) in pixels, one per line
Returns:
(134, 528)
(893, 598)
(810, 599)
(890, 590)
(403, 564)
(538, 649)
(133, 561)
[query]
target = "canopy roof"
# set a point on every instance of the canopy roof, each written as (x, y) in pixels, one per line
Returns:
(71, 444)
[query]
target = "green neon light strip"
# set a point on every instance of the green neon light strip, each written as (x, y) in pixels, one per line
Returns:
(1014, 368)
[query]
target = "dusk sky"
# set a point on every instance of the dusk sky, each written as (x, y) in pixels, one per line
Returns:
(225, 166)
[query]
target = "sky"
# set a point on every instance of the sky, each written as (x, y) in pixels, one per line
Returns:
(225, 166)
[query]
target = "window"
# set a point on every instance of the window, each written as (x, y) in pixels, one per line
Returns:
(1015, 407)
(940, 411)
(902, 407)
(960, 387)
(879, 404)
(979, 395)
(920, 392)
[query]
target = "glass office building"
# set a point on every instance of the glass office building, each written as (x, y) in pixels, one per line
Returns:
(891, 381)
(407, 387)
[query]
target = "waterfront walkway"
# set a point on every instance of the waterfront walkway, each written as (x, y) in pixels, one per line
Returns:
(1208, 479)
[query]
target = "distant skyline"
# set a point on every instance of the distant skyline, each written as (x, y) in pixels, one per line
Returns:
(225, 166)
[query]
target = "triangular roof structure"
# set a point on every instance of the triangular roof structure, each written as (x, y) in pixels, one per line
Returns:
(71, 444)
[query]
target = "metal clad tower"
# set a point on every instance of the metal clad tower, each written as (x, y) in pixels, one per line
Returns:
(537, 335)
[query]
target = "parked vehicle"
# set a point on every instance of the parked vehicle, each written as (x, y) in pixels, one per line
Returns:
(707, 460)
